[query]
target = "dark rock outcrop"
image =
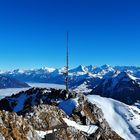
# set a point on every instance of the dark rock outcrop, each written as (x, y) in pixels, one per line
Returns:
(21, 102)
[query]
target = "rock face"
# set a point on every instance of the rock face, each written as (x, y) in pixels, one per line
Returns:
(88, 113)
(24, 128)
(7, 82)
(40, 110)
(15, 127)
(121, 86)
(95, 115)
(47, 117)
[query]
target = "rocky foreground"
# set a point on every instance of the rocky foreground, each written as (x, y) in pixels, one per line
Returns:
(39, 112)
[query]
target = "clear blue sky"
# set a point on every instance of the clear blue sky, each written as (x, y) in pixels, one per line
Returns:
(32, 32)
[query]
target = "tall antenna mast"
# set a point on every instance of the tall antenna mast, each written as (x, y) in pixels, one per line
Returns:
(67, 64)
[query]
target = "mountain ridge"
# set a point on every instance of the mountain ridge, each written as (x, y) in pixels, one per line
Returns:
(87, 77)
(121, 86)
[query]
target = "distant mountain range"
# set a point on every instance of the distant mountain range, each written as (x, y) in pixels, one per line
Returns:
(52, 75)
(118, 82)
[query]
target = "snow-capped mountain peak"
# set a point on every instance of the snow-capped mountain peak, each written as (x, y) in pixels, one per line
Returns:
(105, 66)
(120, 86)
(124, 76)
(48, 69)
(90, 68)
(78, 69)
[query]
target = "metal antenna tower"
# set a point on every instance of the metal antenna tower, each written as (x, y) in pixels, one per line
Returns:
(67, 64)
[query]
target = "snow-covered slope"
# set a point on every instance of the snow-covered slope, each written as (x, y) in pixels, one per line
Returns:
(123, 119)
(89, 129)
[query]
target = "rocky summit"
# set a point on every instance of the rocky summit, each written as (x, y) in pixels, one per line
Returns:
(14, 127)
(41, 113)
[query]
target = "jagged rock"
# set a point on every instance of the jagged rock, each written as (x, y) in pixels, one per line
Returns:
(70, 133)
(15, 127)
(31, 97)
(39, 107)
(47, 117)
(89, 113)
(95, 114)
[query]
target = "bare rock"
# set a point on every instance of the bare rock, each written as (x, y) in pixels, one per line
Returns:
(15, 127)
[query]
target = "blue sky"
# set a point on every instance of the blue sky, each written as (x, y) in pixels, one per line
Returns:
(33, 32)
